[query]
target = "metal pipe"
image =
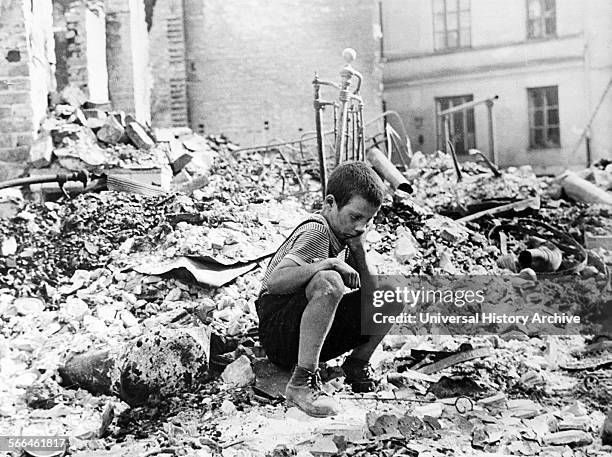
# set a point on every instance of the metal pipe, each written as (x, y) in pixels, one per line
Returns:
(29, 180)
(467, 105)
(491, 130)
(319, 129)
(387, 170)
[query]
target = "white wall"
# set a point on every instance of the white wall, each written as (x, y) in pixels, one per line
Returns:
(503, 61)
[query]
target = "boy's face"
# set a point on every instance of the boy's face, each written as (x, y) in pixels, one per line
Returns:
(352, 219)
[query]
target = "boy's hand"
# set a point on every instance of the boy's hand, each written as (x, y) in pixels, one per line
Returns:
(357, 243)
(349, 276)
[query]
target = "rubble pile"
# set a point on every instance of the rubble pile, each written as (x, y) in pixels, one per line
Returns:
(71, 291)
(52, 241)
(436, 186)
(411, 244)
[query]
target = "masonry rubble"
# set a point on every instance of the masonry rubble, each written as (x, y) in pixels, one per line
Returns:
(116, 333)
(57, 311)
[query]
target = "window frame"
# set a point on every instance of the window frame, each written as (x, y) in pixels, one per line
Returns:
(459, 28)
(542, 20)
(440, 126)
(531, 109)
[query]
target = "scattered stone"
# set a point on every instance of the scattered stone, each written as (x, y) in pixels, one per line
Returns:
(29, 306)
(75, 308)
(73, 96)
(575, 423)
(239, 373)
(523, 409)
(577, 409)
(138, 136)
(228, 408)
(9, 246)
(495, 402)
(569, 437)
(41, 150)
(406, 246)
(382, 424)
(532, 379)
(111, 132)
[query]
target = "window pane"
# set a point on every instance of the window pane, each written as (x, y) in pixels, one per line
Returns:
(465, 38)
(451, 5)
(470, 121)
(551, 96)
(438, 6)
(457, 123)
(452, 39)
(538, 118)
(464, 19)
(535, 97)
(553, 137)
(538, 139)
(464, 5)
(549, 5)
(551, 26)
(553, 117)
(440, 40)
(439, 23)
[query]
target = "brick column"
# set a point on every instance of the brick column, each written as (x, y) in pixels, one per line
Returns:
(127, 57)
(26, 68)
(167, 40)
(80, 37)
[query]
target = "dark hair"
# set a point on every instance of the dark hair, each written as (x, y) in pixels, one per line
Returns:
(355, 178)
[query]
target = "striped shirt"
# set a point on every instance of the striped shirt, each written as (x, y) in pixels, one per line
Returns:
(312, 239)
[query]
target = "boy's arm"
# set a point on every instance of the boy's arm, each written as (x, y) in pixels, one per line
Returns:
(289, 276)
(366, 273)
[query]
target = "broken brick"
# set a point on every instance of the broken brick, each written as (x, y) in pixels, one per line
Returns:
(138, 136)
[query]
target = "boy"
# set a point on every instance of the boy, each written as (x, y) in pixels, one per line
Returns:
(304, 314)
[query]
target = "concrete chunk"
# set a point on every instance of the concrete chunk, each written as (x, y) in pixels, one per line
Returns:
(570, 437)
(239, 373)
(111, 132)
(138, 136)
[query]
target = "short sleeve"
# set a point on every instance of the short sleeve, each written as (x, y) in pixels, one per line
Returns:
(309, 245)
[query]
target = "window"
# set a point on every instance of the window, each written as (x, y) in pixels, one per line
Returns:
(541, 18)
(544, 117)
(461, 127)
(451, 24)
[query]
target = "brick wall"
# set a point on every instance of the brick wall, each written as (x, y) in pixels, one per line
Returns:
(251, 62)
(167, 55)
(80, 37)
(26, 70)
(127, 57)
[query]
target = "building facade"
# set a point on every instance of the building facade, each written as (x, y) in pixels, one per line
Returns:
(249, 65)
(548, 61)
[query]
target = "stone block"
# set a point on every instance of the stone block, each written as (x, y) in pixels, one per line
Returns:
(41, 150)
(111, 132)
(138, 136)
(73, 96)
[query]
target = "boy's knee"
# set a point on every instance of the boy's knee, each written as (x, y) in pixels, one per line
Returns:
(326, 283)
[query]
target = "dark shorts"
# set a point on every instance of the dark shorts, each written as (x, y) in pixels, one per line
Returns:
(279, 327)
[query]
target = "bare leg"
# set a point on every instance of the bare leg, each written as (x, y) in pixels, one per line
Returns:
(324, 292)
(365, 351)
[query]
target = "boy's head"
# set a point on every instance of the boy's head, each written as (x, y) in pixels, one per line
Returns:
(351, 179)
(354, 195)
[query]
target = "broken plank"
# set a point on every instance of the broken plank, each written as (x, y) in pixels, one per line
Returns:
(455, 360)
(533, 202)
